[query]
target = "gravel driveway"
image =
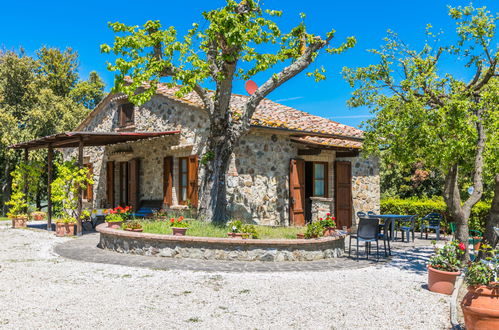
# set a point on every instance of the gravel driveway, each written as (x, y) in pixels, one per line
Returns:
(39, 289)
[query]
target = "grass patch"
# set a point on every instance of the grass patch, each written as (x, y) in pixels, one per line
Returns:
(3, 218)
(206, 229)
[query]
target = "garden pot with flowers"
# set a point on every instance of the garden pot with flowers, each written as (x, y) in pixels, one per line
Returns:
(329, 225)
(17, 205)
(238, 229)
(115, 217)
(444, 267)
(38, 215)
(481, 304)
(314, 230)
(65, 226)
(133, 226)
(179, 226)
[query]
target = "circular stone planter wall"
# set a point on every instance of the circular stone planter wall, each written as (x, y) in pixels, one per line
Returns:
(212, 248)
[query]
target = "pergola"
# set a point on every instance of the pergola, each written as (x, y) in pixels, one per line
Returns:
(77, 140)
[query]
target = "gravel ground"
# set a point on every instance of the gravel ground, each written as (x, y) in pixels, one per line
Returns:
(39, 289)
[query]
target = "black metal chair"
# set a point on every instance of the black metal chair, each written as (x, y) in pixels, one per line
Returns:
(370, 213)
(384, 234)
(431, 221)
(361, 214)
(368, 232)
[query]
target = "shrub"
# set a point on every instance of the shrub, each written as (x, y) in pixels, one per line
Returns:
(314, 230)
(328, 222)
(484, 271)
(238, 226)
(447, 258)
(422, 207)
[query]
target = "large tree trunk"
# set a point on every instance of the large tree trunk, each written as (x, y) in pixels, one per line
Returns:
(489, 236)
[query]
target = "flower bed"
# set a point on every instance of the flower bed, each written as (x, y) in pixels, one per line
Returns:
(217, 248)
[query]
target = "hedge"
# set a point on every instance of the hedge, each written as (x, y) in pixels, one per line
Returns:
(422, 207)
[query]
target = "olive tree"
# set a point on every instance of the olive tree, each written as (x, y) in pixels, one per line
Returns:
(214, 52)
(426, 114)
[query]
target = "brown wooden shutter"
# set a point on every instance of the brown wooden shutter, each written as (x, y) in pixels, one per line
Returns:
(192, 187)
(133, 183)
(297, 192)
(343, 192)
(90, 187)
(110, 183)
(167, 180)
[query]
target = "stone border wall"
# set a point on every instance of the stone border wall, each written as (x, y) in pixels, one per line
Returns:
(213, 248)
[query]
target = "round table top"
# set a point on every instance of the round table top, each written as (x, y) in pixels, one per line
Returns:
(391, 216)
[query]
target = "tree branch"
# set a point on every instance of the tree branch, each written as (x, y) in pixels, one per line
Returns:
(477, 75)
(280, 78)
(488, 75)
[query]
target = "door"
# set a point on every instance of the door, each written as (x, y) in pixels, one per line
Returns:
(192, 187)
(297, 192)
(110, 184)
(123, 184)
(343, 177)
(167, 180)
(133, 183)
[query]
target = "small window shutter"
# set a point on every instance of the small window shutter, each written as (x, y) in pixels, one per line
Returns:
(167, 180)
(192, 188)
(133, 183)
(90, 187)
(110, 183)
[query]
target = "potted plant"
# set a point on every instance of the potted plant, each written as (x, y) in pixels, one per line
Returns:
(238, 229)
(65, 226)
(179, 226)
(38, 215)
(329, 225)
(113, 219)
(444, 267)
(481, 304)
(300, 236)
(314, 230)
(17, 205)
(133, 226)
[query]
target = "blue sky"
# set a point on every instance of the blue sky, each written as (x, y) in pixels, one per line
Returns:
(82, 25)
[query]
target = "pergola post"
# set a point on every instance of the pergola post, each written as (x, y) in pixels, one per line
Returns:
(79, 227)
(25, 176)
(50, 161)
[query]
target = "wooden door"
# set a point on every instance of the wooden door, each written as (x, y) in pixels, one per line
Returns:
(167, 180)
(192, 187)
(110, 184)
(88, 192)
(297, 192)
(133, 183)
(123, 184)
(343, 191)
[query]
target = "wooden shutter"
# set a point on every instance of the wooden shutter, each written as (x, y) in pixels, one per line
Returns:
(133, 183)
(89, 192)
(343, 191)
(192, 187)
(297, 192)
(110, 183)
(167, 180)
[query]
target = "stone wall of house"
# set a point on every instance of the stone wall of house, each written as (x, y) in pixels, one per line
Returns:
(257, 181)
(321, 207)
(365, 185)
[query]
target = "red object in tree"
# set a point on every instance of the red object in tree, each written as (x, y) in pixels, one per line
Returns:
(251, 87)
(462, 247)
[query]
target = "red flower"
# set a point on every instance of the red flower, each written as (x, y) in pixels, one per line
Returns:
(462, 247)
(172, 220)
(334, 218)
(328, 214)
(320, 219)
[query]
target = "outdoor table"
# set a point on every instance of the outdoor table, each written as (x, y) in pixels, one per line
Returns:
(392, 218)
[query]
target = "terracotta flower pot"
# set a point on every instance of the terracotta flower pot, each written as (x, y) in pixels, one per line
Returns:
(64, 229)
(179, 231)
(38, 216)
(19, 222)
(440, 281)
(137, 230)
(114, 225)
(239, 235)
(300, 236)
(329, 231)
(481, 307)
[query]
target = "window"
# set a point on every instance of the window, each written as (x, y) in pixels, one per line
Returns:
(126, 114)
(183, 173)
(320, 174)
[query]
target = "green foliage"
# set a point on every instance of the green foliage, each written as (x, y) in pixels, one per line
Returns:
(17, 202)
(422, 207)
(70, 178)
(207, 156)
(232, 34)
(179, 222)
(90, 92)
(314, 230)
(114, 217)
(135, 224)
(238, 226)
(447, 258)
(328, 221)
(66, 219)
(484, 271)
(58, 70)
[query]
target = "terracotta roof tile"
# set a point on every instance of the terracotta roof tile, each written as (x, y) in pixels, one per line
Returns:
(272, 114)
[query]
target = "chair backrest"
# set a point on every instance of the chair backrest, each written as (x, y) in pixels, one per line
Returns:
(361, 214)
(433, 219)
(370, 213)
(368, 228)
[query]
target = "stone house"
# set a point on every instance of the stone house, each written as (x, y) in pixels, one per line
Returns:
(292, 167)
